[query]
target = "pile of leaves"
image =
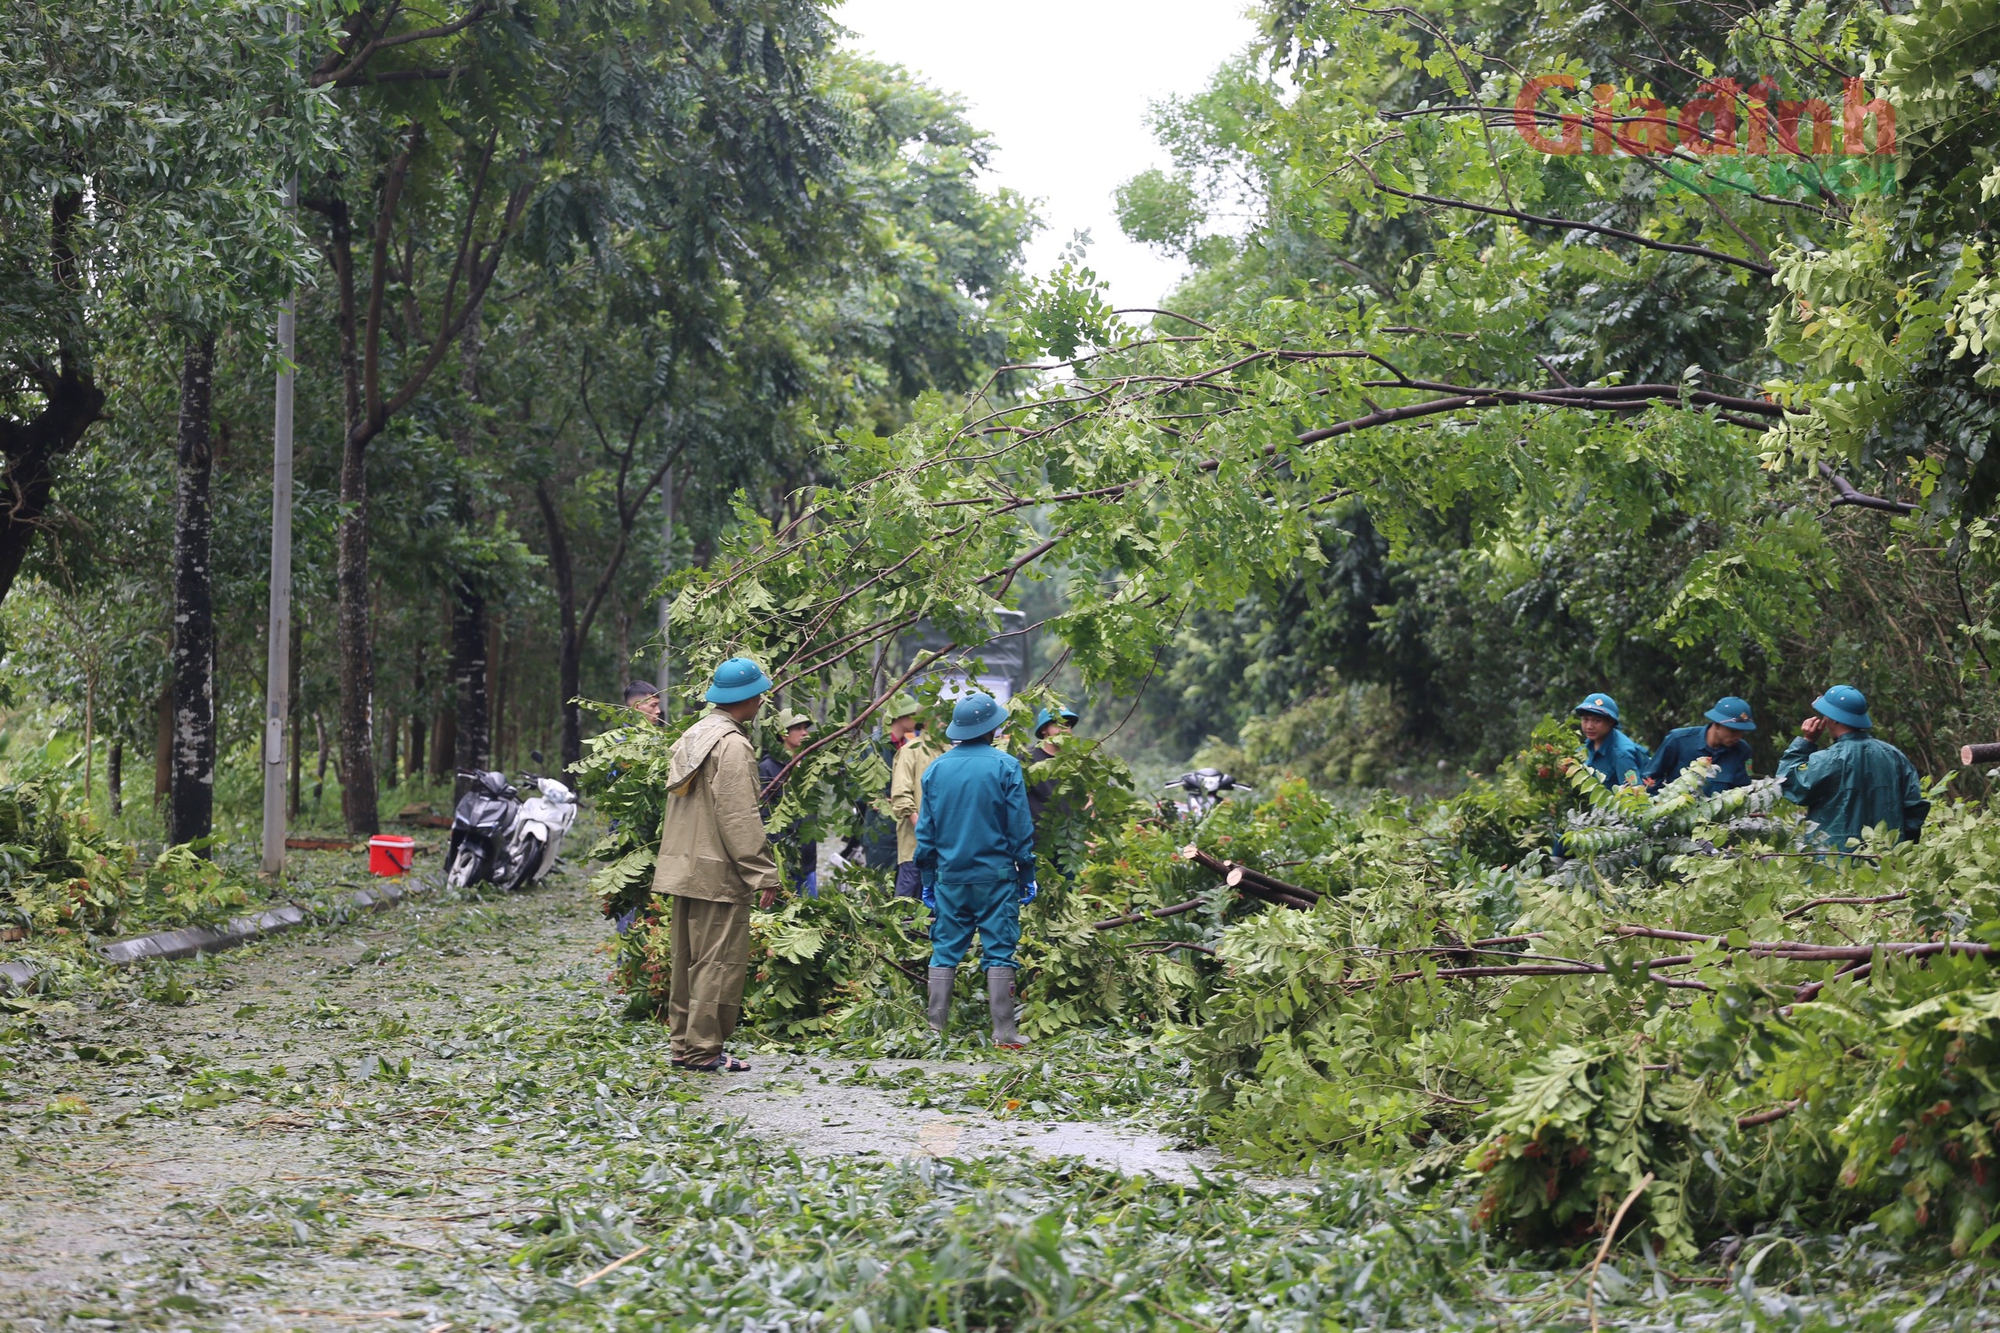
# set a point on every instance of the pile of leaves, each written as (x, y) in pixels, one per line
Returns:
(65, 884)
(56, 874)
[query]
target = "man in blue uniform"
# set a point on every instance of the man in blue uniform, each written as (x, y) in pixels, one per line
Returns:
(1607, 751)
(1720, 742)
(1847, 780)
(976, 854)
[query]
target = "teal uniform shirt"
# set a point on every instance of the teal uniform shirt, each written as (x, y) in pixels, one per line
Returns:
(1852, 785)
(973, 825)
(1684, 745)
(1618, 759)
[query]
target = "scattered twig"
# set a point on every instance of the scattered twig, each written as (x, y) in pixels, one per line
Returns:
(1776, 1113)
(617, 1263)
(1803, 908)
(1176, 910)
(1611, 1234)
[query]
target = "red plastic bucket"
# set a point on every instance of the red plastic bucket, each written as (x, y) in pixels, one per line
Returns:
(391, 853)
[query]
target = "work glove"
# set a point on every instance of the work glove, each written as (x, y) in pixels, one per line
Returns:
(929, 896)
(1028, 892)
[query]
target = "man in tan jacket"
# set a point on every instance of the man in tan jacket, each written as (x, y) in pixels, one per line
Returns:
(713, 858)
(914, 753)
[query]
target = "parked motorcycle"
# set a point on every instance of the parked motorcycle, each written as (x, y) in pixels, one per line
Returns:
(1204, 788)
(537, 834)
(497, 836)
(479, 829)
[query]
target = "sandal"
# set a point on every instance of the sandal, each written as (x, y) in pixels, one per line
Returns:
(721, 1064)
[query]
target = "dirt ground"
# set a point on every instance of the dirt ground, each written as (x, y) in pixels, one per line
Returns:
(168, 1161)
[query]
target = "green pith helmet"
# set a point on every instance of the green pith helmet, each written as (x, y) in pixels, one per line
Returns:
(793, 718)
(903, 705)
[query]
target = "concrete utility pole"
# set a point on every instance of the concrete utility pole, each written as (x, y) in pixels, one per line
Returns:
(278, 667)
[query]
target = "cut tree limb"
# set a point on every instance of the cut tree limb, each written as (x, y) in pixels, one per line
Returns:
(1861, 499)
(1249, 878)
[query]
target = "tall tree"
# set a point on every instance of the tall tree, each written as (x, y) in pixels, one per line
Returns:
(125, 130)
(557, 122)
(883, 291)
(191, 798)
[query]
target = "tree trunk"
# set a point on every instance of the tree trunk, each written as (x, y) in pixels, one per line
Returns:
(191, 801)
(114, 776)
(468, 679)
(390, 735)
(356, 661)
(444, 739)
(496, 696)
(319, 760)
(420, 687)
(353, 642)
(163, 747)
(569, 646)
(624, 649)
(71, 400)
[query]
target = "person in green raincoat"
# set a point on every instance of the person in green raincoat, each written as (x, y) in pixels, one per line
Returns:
(1847, 780)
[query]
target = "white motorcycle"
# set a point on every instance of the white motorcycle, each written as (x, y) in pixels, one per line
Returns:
(536, 838)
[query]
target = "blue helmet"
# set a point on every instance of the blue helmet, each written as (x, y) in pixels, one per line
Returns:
(976, 714)
(1732, 712)
(1844, 703)
(736, 680)
(1062, 713)
(1598, 703)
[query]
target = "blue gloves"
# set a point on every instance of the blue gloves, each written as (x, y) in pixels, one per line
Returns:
(929, 895)
(1028, 892)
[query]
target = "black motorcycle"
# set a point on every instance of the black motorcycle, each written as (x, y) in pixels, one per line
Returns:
(479, 828)
(1203, 789)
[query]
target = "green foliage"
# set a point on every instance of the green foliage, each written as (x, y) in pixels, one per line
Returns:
(182, 885)
(56, 875)
(1579, 1129)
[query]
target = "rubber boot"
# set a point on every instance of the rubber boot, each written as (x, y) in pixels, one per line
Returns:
(1000, 1000)
(940, 1007)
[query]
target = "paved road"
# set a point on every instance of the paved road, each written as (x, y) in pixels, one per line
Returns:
(243, 1160)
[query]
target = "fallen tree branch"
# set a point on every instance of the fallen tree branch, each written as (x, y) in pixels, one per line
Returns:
(1776, 1113)
(1803, 908)
(1153, 915)
(1248, 878)
(1571, 224)
(1861, 499)
(1802, 950)
(1523, 970)
(1811, 989)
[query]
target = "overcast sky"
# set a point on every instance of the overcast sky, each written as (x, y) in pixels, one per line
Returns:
(1063, 88)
